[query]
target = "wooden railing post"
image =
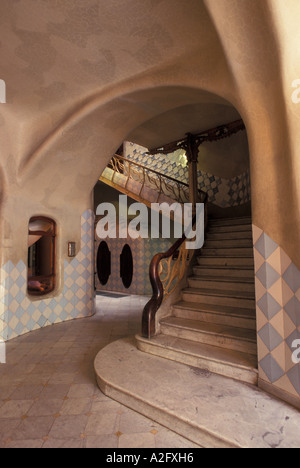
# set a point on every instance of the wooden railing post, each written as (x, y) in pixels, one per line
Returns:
(192, 156)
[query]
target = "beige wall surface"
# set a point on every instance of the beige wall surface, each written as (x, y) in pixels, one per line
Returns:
(226, 158)
(82, 75)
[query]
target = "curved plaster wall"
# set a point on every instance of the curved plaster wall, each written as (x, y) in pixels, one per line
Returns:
(83, 75)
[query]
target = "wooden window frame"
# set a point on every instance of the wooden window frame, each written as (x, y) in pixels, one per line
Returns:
(52, 276)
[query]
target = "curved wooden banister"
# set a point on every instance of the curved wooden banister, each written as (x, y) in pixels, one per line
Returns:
(177, 251)
(151, 170)
(151, 308)
(164, 184)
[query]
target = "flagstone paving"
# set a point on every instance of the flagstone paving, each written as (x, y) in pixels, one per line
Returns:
(48, 392)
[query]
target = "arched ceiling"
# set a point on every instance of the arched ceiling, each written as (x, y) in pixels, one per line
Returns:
(57, 56)
(83, 75)
(174, 124)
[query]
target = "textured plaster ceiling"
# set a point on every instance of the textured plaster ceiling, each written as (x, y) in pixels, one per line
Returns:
(174, 124)
(57, 54)
(83, 75)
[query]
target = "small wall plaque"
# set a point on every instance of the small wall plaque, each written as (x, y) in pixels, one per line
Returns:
(71, 249)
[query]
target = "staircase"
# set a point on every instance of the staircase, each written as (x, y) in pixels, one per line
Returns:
(142, 183)
(213, 327)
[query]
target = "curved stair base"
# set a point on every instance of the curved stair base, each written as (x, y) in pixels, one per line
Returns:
(210, 410)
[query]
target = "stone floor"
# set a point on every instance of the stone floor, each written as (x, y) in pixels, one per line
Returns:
(48, 392)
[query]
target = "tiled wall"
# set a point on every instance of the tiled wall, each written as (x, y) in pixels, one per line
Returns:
(19, 315)
(278, 314)
(221, 192)
(226, 192)
(143, 250)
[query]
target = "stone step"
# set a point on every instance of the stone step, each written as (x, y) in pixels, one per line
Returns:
(222, 283)
(225, 261)
(228, 298)
(223, 336)
(226, 362)
(217, 271)
(227, 252)
(230, 221)
(224, 229)
(174, 395)
(216, 235)
(223, 315)
(228, 243)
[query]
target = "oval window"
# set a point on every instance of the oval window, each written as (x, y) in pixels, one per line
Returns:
(103, 263)
(126, 266)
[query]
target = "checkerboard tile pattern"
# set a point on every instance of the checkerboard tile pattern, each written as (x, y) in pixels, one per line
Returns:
(19, 314)
(221, 192)
(158, 162)
(278, 313)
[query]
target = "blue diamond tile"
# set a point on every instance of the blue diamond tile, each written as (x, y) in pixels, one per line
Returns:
(270, 337)
(75, 263)
(30, 324)
(86, 250)
(267, 275)
(86, 299)
(41, 321)
(10, 315)
(19, 312)
(86, 262)
(9, 282)
(86, 227)
(292, 308)
(31, 309)
(64, 315)
(52, 317)
(8, 267)
(19, 328)
(74, 288)
(292, 277)
(4, 333)
(42, 307)
(86, 274)
(294, 377)
(20, 297)
(271, 368)
(75, 275)
(21, 267)
(63, 302)
(290, 340)
(75, 301)
(265, 246)
(86, 238)
(20, 282)
(86, 215)
(7, 299)
(269, 306)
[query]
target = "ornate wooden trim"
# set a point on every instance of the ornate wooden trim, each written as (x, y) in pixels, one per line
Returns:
(214, 134)
(164, 184)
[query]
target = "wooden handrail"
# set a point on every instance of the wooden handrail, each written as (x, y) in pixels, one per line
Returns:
(151, 308)
(151, 170)
(202, 194)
